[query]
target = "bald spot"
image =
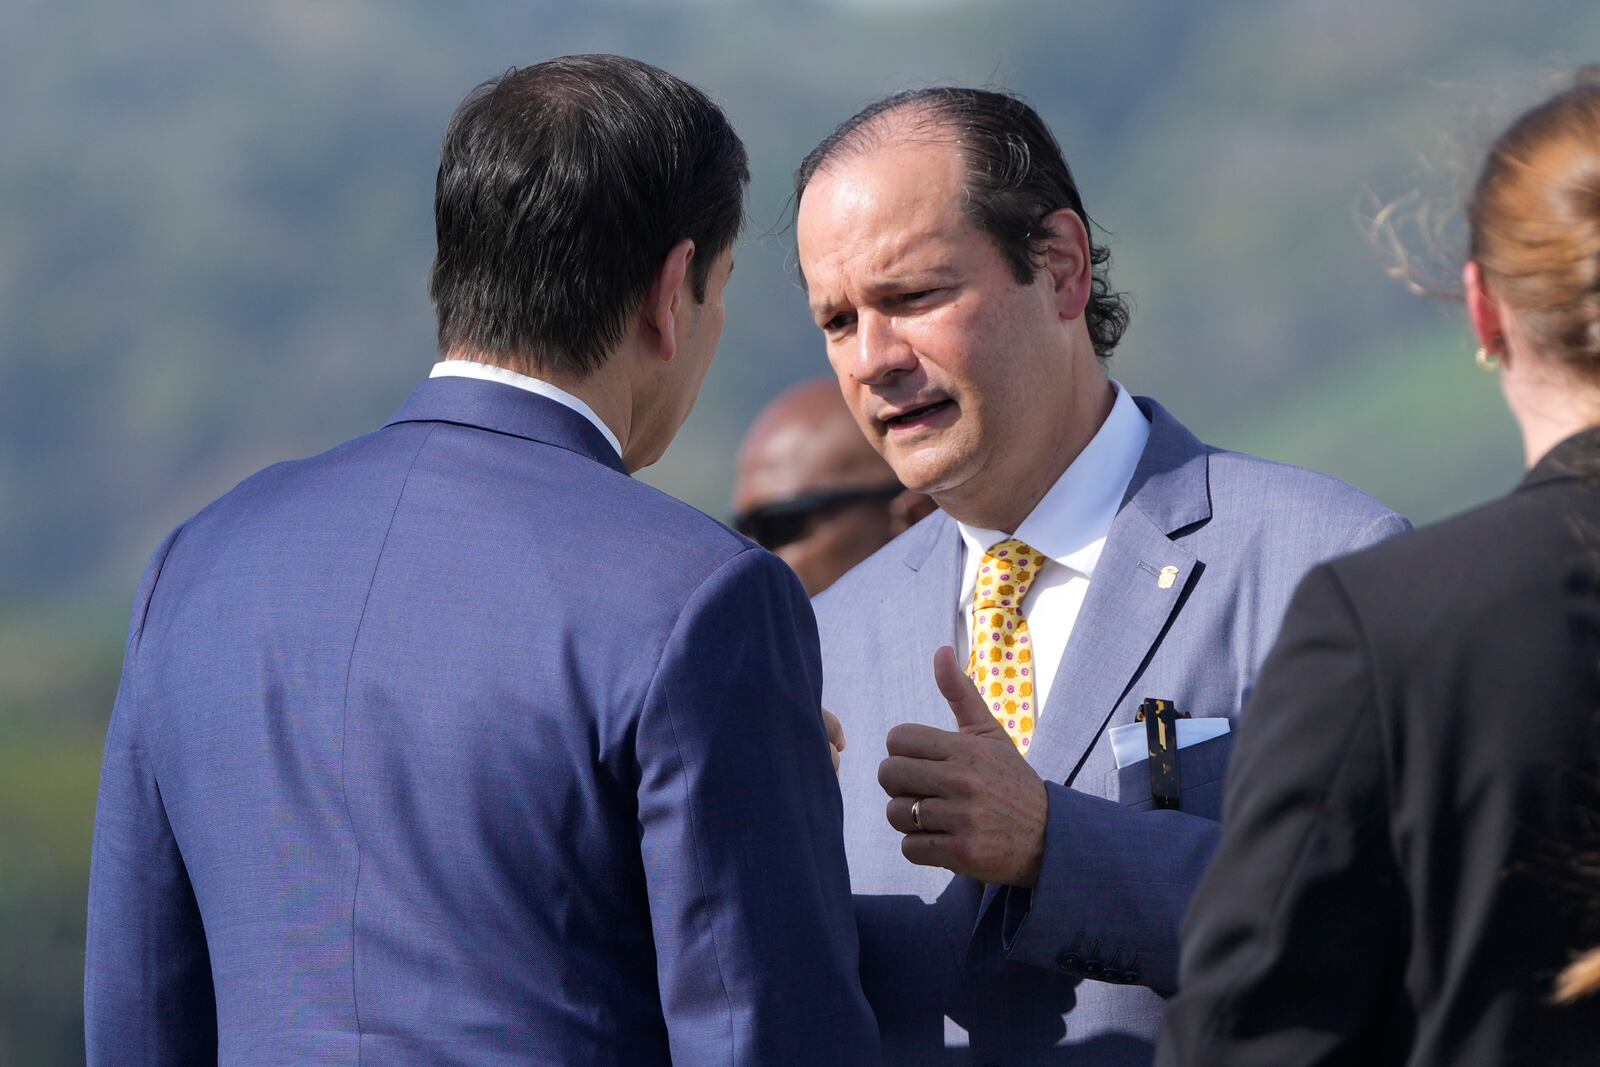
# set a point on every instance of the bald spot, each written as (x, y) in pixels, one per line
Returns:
(914, 124)
(805, 441)
(917, 122)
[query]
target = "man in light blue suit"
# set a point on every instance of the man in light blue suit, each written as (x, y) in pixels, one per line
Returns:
(456, 744)
(1018, 899)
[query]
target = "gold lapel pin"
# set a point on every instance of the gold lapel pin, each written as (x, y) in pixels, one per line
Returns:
(1167, 577)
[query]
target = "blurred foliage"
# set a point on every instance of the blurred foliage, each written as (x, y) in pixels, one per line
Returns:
(47, 790)
(217, 231)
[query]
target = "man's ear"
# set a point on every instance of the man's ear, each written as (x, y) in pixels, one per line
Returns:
(1483, 310)
(662, 303)
(1066, 261)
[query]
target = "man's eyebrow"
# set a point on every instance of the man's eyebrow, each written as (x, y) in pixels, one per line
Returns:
(918, 275)
(914, 278)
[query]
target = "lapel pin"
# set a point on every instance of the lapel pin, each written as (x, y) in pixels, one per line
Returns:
(1167, 577)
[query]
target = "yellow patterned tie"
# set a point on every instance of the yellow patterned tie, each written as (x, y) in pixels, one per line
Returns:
(1002, 653)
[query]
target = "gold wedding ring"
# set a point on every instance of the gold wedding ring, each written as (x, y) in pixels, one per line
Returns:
(916, 814)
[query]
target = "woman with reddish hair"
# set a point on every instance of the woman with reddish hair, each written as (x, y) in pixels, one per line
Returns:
(1410, 857)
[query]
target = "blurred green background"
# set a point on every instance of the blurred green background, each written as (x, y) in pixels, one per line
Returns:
(216, 230)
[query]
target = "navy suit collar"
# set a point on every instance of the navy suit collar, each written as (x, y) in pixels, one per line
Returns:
(506, 409)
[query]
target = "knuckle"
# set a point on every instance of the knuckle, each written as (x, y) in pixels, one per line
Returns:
(976, 754)
(886, 773)
(965, 782)
(925, 850)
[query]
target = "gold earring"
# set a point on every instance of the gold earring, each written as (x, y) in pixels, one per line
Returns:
(1486, 361)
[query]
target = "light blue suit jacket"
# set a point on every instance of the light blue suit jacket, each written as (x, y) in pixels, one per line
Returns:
(1075, 970)
(456, 745)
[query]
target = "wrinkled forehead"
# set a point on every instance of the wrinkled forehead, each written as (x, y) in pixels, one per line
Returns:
(876, 210)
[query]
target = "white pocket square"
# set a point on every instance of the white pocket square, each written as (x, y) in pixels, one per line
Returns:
(1128, 742)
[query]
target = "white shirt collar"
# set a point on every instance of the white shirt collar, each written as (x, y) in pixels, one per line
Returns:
(1070, 523)
(463, 368)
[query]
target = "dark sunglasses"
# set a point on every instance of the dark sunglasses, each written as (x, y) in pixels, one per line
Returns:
(777, 524)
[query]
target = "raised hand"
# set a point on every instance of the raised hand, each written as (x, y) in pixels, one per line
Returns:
(980, 810)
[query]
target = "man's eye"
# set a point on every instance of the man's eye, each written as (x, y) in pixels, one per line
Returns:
(913, 297)
(839, 322)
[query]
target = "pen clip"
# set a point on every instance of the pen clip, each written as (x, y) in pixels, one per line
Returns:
(1160, 718)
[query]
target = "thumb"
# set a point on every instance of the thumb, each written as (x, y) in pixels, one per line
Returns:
(972, 715)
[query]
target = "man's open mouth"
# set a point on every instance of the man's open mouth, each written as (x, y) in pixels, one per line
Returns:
(917, 415)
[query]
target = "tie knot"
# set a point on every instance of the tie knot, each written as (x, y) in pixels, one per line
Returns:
(1006, 573)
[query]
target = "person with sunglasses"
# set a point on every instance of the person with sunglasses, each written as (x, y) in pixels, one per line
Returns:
(811, 489)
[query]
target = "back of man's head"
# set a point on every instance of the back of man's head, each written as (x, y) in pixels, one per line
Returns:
(561, 188)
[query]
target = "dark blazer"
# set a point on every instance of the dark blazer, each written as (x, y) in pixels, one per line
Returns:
(1409, 801)
(458, 745)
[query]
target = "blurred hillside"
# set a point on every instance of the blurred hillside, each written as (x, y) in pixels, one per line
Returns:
(217, 229)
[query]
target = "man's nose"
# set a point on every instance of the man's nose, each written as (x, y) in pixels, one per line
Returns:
(880, 350)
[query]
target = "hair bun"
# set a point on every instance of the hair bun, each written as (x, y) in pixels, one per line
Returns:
(1586, 76)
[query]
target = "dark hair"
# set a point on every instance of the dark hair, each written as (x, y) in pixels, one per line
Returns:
(561, 188)
(1016, 175)
(1534, 222)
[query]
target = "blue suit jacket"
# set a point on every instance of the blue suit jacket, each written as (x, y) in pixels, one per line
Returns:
(457, 745)
(1074, 971)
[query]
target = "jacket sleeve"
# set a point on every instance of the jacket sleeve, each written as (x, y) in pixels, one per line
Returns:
(1111, 893)
(148, 996)
(1382, 528)
(1114, 883)
(1286, 950)
(742, 833)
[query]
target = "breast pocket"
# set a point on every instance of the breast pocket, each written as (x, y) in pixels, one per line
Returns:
(1202, 770)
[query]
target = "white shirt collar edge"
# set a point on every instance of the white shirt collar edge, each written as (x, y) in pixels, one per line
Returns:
(1073, 518)
(466, 368)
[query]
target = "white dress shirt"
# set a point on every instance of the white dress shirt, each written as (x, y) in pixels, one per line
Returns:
(464, 368)
(1069, 526)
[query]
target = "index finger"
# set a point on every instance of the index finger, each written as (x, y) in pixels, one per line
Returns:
(834, 729)
(921, 742)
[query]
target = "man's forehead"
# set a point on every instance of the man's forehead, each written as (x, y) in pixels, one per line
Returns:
(883, 210)
(906, 176)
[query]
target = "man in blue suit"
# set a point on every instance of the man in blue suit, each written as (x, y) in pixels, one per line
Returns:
(1018, 900)
(455, 744)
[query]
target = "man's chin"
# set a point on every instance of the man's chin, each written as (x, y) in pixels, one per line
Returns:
(929, 474)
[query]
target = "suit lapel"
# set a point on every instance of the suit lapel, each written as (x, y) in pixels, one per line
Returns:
(1128, 605)
(1122, 619)
(920, 619)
